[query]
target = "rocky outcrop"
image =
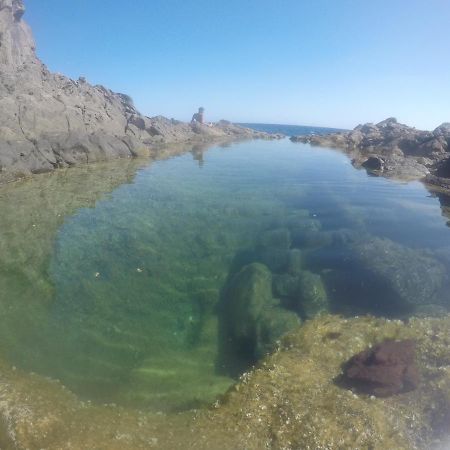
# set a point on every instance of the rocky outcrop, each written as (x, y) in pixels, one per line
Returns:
(390, 148)
(48, 120)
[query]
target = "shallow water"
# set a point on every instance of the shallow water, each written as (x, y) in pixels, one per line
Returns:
(111, 275)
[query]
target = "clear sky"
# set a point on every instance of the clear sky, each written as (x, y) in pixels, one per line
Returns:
(315, 62)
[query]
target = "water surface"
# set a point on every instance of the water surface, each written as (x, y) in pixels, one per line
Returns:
(111, 275)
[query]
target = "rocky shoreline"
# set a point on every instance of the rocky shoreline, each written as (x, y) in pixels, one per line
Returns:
(49, 121)
(393, 150)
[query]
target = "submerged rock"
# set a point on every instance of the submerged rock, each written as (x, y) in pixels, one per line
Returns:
(381, 276)
(385, 370)
(253, 319)
(304, 292)
(312, 297)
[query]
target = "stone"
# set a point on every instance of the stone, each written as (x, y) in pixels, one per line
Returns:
(385, 370)
(380, 276)
(390, 148)
(312, 297)
(285, 285)
(253, 319)
(295, 261)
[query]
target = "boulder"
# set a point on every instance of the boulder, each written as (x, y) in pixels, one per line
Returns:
(304, 292)
(384, 370)
(380, 276)
(312, 297)
(254, 320)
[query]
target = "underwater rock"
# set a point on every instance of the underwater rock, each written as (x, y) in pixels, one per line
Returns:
(295, 261)
(414, 278)
(304, 291)
(272, 249)
(384, 277)
(253, 319)
(285, 285)
(385, 370)
(306, 233)
(312, 297)
(274, 323)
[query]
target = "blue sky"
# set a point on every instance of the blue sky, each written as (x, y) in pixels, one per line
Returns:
(316, 62)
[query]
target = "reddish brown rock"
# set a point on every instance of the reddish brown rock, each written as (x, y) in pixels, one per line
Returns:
(385, 370)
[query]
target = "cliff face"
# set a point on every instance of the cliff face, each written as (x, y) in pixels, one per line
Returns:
(48, 120)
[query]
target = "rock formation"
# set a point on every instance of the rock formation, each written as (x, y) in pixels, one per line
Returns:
(385, 370)
(48, 120)
(390, 148)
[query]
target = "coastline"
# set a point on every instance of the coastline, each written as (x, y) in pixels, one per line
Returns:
(393, 150)
(50, 121)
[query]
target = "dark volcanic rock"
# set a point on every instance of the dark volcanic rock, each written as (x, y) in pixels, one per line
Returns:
(385, 370)
(390, 148)
(48, 120)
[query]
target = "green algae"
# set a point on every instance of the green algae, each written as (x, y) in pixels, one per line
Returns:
(110, 281)
(290, 401)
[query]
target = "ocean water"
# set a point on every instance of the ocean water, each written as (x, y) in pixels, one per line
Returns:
(290, 130)
(112, 276)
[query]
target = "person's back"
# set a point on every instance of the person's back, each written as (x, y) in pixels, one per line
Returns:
(198, 117)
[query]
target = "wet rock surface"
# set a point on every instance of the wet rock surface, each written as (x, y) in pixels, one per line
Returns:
(390, 148)
(48, 120)
(290, 401)
(385, 370)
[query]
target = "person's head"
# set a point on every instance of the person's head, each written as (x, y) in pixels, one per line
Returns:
(201, 110)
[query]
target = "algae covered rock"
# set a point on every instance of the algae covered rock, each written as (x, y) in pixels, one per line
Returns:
(312, 297)
(253, 319)
(291, 401)
(360, 268)
(304, 292)
(387, 369)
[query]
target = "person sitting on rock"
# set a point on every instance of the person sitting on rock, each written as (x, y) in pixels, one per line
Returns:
(198, 117)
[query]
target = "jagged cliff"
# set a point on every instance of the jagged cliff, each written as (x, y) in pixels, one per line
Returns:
(48, 120)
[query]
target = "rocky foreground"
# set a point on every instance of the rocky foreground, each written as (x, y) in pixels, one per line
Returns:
(293, 400)
(48, 120)
(392, 149)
